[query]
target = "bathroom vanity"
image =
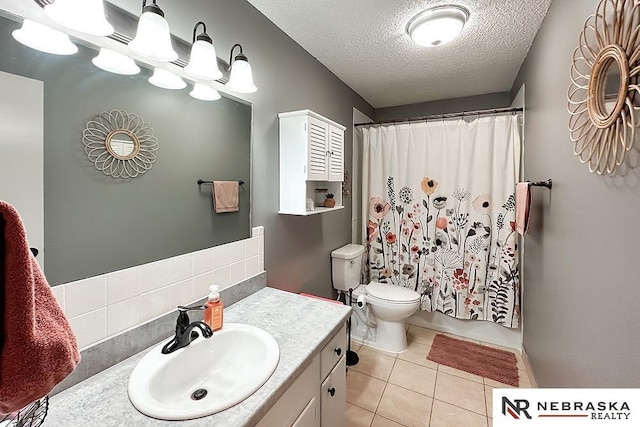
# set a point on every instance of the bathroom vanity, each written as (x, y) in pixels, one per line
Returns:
(306, 389)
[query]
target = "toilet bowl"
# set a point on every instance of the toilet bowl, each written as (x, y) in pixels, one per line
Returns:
(389, 306)
(381, 308)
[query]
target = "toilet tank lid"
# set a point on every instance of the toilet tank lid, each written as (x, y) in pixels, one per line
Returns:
(392, 292)
(349, 251)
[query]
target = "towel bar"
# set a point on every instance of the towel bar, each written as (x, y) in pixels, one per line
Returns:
(202, 181)
(548, 184)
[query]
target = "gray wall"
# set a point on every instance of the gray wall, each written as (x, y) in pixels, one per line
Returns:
(297, 249)
(453, 105)
(94, 223)
(581, 277)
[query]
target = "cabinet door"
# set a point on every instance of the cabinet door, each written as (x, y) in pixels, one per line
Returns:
(333, 397)
(336, 154)
(310, 417)
(318, 136)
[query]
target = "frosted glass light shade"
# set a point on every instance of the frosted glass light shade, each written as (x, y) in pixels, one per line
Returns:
(204, 93)
(85, 16)
(45, 39)
(241, 78)
(115, 62)
(203, 63)
(166, 80)
(153, 38)
(438, 25)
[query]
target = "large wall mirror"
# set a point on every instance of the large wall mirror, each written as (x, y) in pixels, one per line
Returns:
(94, 223)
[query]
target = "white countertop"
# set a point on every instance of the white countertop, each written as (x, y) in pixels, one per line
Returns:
(300, 325)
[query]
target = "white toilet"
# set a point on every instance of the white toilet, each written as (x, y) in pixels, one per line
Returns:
(383, 307)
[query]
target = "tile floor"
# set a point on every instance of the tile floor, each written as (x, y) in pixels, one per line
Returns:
(387, 390)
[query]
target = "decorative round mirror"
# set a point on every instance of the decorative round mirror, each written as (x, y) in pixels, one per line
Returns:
(120, 144)
(603, 95)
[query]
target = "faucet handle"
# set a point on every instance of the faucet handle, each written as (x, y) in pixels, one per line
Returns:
(183, 318)
(184, 309)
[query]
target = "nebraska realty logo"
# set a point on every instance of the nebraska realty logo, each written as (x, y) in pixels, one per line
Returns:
(566, 407)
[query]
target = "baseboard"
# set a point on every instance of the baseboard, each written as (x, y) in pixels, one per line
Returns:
(527, 364)
(473, 329)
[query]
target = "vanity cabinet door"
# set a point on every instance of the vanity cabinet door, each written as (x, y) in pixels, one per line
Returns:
(310, 417)
(333, 397)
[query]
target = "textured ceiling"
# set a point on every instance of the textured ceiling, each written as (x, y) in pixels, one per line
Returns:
(364, 43)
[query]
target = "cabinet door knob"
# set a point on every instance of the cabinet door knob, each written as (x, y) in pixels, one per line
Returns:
(332, 391)
(338, 351)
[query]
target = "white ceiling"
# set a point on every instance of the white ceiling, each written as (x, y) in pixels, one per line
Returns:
(364, 43)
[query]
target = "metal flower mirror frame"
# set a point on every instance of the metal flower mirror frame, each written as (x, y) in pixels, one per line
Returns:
(120, 144)
(603, 94)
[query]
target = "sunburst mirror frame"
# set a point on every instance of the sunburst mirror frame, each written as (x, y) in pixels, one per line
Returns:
(105, 128)
(602, 134)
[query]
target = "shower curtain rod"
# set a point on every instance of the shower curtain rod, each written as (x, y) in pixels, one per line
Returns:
(443, 116)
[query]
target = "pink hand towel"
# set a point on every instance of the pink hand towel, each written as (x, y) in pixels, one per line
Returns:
(37, 346)
(523, 206)
(225, 196)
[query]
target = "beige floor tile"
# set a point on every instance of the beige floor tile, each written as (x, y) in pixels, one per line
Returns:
(459, 373)
(377, 350)
(405, 406)
(364, 391)
(413, 377)
(496, 384)
(461, 392)
(417, 353)
(375, 364)
(358, 417)
(379, 421)
(525, 381)
(420, 335)
(446, 415)
(488, 394)
(521, 365)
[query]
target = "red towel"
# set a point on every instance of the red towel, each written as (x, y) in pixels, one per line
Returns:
(523, 207)
(37, 346)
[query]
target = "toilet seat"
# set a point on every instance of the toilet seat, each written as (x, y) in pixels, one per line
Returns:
(391, 294)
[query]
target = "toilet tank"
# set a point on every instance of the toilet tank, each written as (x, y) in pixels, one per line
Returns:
(346, 264)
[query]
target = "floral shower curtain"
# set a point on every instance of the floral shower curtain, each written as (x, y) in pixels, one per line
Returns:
(439, 199)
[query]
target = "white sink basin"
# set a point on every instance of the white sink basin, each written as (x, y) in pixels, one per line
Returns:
(231, 365)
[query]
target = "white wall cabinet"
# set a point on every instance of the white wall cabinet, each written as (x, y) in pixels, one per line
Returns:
(317, 398)
(311, 158)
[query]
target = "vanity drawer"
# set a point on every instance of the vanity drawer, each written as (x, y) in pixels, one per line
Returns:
(332, 352)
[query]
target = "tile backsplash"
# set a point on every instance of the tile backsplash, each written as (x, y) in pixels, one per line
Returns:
(103, 306)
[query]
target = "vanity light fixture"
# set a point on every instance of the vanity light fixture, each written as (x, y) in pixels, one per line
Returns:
(241, 78)
(204, 61)
(115, 62)
(204, 93)
(437, 25)
(43, 38)
(166, 80)
(85, 16)
(153, 38)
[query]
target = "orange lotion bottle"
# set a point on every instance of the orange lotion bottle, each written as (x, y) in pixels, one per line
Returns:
(213, 313)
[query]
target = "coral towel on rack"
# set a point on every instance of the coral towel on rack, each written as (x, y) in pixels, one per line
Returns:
(523, 207)
(225, 196)
(37, 346)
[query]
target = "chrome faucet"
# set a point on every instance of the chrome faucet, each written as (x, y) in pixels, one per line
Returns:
(185, 331)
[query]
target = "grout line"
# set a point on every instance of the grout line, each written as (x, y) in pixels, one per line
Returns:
(385, 388)
(460, 407)
(435, 383)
